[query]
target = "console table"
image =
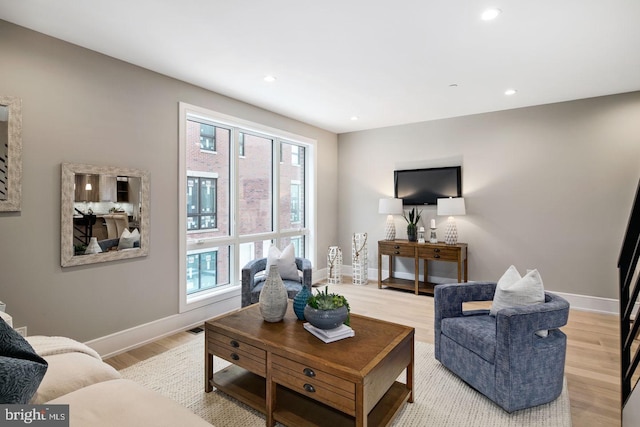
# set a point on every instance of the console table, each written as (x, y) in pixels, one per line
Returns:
(420, 251)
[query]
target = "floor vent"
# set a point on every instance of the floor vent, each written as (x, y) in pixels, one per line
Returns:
(196, 330)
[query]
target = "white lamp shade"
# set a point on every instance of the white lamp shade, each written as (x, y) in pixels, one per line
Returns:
(451, 206)
(390, 206)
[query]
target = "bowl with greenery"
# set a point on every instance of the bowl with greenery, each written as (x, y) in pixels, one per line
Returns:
(326, 310)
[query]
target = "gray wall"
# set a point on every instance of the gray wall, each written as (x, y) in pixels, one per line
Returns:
(83, 107)
(546, 187)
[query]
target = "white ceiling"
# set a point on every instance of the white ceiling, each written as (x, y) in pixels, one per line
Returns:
(386, 62)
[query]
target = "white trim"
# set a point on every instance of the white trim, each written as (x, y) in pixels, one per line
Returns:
(120, 342)
(577, 302)
(137, 336)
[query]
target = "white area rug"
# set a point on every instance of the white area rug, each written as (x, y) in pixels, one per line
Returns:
(440, 398)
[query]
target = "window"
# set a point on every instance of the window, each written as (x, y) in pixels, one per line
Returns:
(241, 145)
(201, 271)
(295, 202)
(207, 137)
(295, 155)
(201, 203)
(239, 199)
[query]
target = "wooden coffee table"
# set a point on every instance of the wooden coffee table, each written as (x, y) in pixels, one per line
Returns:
(293, 378)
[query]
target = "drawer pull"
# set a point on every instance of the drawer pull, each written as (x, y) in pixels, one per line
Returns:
(396, 252)
(436, 250)
(235, 356)
(436, 256)
(396, 247)
(309, 388)
(309, 372)
(234, 343)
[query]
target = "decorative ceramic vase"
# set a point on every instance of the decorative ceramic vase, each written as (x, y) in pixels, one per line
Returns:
(93, 247)
(300, 302)
(412, 232)
(273, 297)
(326, 319)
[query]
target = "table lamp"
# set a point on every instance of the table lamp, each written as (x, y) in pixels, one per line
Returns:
(390, 207)
(450, 207)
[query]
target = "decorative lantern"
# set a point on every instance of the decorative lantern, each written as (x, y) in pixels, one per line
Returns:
(334, 265)
(360, 259)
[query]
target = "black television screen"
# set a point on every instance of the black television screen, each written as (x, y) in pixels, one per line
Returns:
(425, 186)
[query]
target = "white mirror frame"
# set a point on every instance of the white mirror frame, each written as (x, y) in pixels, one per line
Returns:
(67, 257)
(14, 162)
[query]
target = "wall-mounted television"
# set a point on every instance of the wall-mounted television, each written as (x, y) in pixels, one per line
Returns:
(425, 186)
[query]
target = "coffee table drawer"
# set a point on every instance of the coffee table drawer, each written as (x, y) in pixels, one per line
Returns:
(314, 383)
(239, 353)
(395, 249)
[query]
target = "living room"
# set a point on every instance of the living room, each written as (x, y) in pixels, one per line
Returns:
(547, 187)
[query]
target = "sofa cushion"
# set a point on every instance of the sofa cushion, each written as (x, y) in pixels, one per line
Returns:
(129, 239)
(68, 372)
(21, 369)
(475, 333)
(513, 290)
(124, 403)
(285, 260)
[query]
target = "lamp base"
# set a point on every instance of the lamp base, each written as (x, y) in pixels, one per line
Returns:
(451, 232)
(390, 228)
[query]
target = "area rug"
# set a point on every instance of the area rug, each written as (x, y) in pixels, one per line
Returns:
(440, 398)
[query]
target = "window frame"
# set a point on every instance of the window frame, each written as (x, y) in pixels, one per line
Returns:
(233, 241)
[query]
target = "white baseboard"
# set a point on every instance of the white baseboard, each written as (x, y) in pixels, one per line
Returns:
(137, 336)
(578, 302)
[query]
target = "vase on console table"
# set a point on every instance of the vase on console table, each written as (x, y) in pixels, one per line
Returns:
(412, 232)
(273, 297)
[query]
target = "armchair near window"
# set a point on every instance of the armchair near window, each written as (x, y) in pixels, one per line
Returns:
(252, 285)
(502, 357)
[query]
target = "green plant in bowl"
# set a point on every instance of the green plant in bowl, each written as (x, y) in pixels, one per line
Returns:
(321, 305)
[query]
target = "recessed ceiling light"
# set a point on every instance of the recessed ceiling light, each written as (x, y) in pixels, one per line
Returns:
(354, 118)
(269, 79)
(510, 92)
(490, 14)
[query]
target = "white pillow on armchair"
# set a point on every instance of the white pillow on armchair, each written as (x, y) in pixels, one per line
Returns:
(285, 260)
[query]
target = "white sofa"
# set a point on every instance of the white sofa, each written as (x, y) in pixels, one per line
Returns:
(95, 392)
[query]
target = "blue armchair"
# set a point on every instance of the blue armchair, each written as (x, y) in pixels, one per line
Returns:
(252, 281)
(501, 356)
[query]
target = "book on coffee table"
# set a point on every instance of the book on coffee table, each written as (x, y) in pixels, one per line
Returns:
(330, 335)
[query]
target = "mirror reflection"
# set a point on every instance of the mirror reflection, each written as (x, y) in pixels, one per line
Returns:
(4, 150)
(105, 214)
(10, 153)
(104, 207)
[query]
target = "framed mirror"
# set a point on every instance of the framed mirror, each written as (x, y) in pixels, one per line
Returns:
(10, 153)
(104, 214)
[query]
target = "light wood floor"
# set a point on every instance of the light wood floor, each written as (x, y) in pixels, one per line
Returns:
(592, 366)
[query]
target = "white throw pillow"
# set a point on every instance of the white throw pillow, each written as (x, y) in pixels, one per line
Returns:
(513, 290)
(128, 239)
(285, 260)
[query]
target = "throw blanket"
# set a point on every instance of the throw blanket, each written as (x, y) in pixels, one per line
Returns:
(47, 346)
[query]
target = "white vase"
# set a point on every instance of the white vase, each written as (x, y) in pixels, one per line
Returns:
(93, 247)
(273, 297)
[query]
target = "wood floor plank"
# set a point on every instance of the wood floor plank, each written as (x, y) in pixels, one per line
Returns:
(592, 364)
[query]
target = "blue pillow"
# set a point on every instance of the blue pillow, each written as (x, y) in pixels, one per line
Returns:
(21, 369)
